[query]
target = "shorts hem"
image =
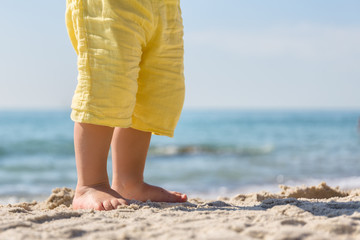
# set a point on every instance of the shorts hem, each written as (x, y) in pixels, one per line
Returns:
(87, 117)
(139, 125)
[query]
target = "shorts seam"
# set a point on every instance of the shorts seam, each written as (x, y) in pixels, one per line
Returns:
(86, 46)
(154, 25)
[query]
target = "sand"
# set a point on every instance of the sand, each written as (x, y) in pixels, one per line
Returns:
(316, 212)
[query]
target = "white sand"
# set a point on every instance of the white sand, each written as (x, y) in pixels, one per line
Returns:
(317, 212)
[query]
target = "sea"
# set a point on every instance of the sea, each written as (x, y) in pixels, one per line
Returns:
(213, 153)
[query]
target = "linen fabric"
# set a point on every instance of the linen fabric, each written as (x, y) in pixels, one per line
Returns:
(130, 63)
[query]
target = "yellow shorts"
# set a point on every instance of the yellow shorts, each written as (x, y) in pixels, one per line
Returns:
(130, 63)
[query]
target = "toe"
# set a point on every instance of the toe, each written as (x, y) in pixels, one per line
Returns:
(107, 205)
(99, 206)
(184, 197)
(177, 197)
(116, 202)
(123, 201)
(181, 196)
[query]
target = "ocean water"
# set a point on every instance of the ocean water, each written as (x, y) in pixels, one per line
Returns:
(214, 152)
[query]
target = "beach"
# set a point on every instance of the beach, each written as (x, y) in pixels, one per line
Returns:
(303, 212)
(229, 163)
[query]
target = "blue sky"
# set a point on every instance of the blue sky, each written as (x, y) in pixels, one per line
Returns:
(238, 54)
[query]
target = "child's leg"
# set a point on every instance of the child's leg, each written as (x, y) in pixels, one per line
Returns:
(129, 149)
(93, 190)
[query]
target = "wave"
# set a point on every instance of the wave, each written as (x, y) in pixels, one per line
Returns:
(206, 149)
(66, 148)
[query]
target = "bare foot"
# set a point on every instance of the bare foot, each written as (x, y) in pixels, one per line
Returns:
(98, 197)
(143, 192)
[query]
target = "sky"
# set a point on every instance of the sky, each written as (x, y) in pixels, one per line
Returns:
(258, 54)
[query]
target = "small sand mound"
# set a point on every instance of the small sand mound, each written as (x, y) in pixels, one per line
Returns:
(60, 196)
(322, 191)
(319, 192)
(261, 196)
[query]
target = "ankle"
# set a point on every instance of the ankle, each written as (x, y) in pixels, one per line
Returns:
(83, 188)
(127, 183)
